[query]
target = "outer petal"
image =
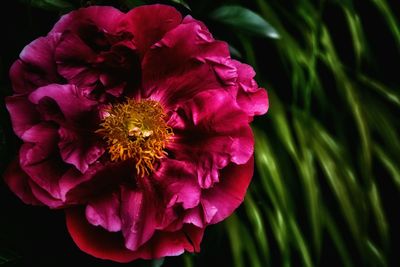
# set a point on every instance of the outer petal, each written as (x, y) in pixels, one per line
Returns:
(149, 23)
(22, 112)
(37, 65)
(104, 17)
(95, 240)
(106, 245)
(229, 193)
(44, 196)
(250, 97)
(17, 180)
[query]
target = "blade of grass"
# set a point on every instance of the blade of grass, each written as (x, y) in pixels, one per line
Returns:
(257, 222)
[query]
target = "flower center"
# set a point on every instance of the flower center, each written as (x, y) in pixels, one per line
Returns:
(136, 129)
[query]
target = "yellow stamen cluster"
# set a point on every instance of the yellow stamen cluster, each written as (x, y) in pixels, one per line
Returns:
(136, 129)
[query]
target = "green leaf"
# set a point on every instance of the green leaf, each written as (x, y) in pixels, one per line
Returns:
(258, 225)
(55, 5)
(245, 20)
(182, 3)
(157, 263)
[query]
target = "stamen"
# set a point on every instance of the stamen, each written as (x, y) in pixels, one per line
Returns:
(136, 129)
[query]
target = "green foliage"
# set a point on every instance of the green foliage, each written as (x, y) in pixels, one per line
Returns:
(56, 5)
(243, 19)
(317, 181)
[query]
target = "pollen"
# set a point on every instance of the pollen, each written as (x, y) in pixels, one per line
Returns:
(136, 130)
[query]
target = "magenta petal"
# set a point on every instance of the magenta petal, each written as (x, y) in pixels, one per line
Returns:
(81, 151)
(73, 58)
(149, 23)
(73, 180)
(194, 216)
(23, 113)
(173, 243)
(40, 143)
(38, 158)
(37, 66)
(179, 183)
(104, 212)
(104, 17)
(106, 245)
(216, 132)
(82, 147)
(175, 89)
(68, 97)
(17, 180)
(137, 216)
(250, 97)
(45, 197)
(254, 103)
(40, 54)
(222, 199)
(180, 49)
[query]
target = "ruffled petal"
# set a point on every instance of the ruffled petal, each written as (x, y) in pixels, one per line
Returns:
(179, 183)
(149, 23)
(215, 133)
(182, 48)
(78, 147)
(250, 97)
(107, 245)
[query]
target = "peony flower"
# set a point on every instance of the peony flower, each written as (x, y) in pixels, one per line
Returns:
(137, 125)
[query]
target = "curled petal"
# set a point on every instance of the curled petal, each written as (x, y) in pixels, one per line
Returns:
(104, 211)
(222, 199)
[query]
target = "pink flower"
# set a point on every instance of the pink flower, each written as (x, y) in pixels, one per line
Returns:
(137, 125)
